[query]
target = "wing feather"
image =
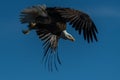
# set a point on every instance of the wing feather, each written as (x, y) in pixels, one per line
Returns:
(50, 46)
(80, 21)
(30, 14)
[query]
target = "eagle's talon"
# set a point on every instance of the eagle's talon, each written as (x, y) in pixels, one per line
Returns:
(32, 25)
(25, 31)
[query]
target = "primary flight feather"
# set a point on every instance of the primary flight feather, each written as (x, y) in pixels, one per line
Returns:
(50, 25)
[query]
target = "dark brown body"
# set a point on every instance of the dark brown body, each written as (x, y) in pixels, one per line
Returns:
(53, 22)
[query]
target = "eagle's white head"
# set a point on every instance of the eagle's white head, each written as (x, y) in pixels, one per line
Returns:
(65, 35)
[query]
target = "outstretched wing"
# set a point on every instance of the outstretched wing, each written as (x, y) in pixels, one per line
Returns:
(50, 46)
(29, 14)
(80, 21)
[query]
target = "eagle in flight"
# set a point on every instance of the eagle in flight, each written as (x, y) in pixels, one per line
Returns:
(50, 25)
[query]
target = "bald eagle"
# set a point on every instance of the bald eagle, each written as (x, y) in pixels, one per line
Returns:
(50, 25)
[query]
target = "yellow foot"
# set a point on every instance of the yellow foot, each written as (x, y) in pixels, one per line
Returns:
(32, 25)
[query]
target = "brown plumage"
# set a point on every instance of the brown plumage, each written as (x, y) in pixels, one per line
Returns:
(50, 25)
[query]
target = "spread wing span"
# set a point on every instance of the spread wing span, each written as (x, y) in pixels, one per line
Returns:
(80, 21)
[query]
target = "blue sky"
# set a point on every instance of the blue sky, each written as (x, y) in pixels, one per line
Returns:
(20, 55)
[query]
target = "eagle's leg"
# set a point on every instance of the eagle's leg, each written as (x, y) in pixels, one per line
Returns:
(26, 31)
(30, 27)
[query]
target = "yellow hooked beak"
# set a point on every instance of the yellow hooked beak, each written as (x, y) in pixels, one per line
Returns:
(71, 38)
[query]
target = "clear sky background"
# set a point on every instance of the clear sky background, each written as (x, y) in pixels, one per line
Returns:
(20, 55)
